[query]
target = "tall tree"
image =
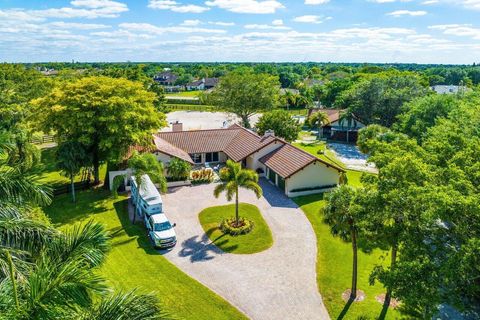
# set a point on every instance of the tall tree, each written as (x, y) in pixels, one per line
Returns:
(379, 97)
(245, 93)
(342, 214)
(71, 159)
(105, 115)
(234, 177)
(281, 122)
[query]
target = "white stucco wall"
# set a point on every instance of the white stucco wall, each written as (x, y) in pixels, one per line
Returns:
(315, 174)
(252, 160)
(164, 158)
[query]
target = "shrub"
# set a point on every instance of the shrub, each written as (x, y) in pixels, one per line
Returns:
(228, 226)
(178, 170)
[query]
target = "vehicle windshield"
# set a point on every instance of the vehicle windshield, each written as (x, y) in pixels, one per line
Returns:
(162, 226)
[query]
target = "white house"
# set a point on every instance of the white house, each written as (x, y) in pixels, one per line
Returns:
(291, 169)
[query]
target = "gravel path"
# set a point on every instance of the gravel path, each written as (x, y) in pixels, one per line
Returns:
(279, 283)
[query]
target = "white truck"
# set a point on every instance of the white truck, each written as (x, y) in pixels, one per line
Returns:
(160, 231)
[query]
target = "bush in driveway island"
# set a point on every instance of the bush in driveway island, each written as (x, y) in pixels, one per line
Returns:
(231, 227)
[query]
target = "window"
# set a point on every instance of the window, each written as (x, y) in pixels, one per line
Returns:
(196, 157)
(211, 157)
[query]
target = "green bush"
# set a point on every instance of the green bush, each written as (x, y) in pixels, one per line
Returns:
(178, 170)
(228, 226)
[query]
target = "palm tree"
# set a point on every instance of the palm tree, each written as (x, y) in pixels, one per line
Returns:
(62, 282)
(341, 213)
(143, 165)
(347, 117)
(129, 305)
(318, 119)
(234, 177)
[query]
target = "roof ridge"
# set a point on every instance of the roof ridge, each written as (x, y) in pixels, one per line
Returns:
(196, 130)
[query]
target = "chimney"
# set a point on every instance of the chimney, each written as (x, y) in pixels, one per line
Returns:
(177, 126)
(269, 133)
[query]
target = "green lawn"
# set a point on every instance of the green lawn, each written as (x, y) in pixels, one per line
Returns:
(319, 149)
(334, 267)
(133, 262)
(184, 94)
(259, 239)
(49, 175)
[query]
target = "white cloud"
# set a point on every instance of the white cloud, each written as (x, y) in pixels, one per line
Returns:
(429, 2)
(221, 23)
(311, 19)
(97, 4)
(388, 1)
(316, 2)
(89, 9)
(459, 30)
(247, 6)
(469, 4)
(176, 6)
(79, 26)
(400, 13)
(276, 25)
(191, 23)
(152, 29)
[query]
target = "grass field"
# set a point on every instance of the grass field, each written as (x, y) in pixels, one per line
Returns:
(188, 94)
(133, 262)
(259, 239)
(319, 149)
(334, 268)
(48, 174)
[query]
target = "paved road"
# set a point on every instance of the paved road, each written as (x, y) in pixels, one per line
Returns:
(279, 283)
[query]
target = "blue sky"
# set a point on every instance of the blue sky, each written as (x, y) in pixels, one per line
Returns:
(421, 31)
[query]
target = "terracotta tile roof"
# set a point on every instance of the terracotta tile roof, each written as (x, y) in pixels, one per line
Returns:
(165, 147)
(333, 114)
(236, 142)
(288, 160)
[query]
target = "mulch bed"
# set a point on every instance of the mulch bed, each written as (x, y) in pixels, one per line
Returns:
(394, 303)
(360, 295)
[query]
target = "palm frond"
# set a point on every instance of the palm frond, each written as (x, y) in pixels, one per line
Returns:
(128, 306)
(18, 188)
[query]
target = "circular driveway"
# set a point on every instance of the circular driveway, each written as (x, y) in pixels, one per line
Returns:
(279, 283)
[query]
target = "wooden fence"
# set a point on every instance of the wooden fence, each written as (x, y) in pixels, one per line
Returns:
(43, 139)
(66, 188)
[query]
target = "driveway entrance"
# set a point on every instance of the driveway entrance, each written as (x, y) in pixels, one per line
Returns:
(279, 283)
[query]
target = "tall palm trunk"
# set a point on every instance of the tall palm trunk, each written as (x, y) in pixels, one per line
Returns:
(236, 207)
(353, 293)
(388, 296)
(72, 184)
(12, 279)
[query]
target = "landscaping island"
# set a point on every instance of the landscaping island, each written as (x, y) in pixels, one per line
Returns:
(259, 239)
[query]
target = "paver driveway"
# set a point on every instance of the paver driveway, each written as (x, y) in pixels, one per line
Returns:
(279, 283)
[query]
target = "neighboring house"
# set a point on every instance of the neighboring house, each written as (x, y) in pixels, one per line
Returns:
(202, 84)
(448, 89)
(293, 170)
(166, 78)
(339, 129)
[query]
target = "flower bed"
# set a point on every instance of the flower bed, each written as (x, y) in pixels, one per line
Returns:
(201, 176)
(229, 226)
